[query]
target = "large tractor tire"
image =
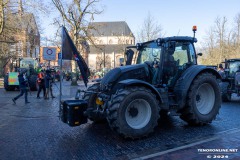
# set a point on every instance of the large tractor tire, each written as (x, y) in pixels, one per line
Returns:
(133, 112)
(33, 83)
(203, 100)
(6, 86)
(92, 106)
(226, 96)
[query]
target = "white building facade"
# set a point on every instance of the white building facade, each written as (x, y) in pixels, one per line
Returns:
(110, 40)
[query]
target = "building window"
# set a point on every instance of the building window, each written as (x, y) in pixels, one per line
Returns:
(127, 41)
(110, 41)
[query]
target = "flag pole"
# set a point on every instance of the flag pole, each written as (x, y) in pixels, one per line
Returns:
(61, 74)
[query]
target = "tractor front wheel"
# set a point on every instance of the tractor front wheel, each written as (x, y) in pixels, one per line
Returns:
(133, 112)
(226, 96)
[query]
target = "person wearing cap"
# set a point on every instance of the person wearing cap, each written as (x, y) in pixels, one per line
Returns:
(221, 71)
(23, 85)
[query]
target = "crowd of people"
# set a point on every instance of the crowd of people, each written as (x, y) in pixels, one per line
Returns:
(45, 81)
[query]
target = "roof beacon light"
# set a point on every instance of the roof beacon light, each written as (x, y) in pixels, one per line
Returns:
(194, 28)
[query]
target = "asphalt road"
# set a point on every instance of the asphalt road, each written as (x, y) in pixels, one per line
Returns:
(34, 131)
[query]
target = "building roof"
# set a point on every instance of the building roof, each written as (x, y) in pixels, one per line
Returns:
(28, 20)
(108, 49)
(25, 21)
(119, 28)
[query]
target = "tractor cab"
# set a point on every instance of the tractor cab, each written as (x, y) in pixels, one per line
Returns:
(231, 66)
(231, 79)
(167, 58)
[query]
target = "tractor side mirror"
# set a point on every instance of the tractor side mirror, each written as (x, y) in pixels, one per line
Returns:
(129, 54)
(199, 54)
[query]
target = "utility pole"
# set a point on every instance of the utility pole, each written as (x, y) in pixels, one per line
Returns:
(74, 74)
(114, 58)
(104, 60)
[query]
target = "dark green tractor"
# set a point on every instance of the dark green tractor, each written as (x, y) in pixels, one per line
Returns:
(230, 78)
(164, 78)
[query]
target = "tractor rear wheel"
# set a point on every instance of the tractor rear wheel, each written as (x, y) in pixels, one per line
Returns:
(91, 100)
(226, 96)
(133, 112)
(203, 101)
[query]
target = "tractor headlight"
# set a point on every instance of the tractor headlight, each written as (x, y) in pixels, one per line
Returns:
(138, 46)
(159, 41)
(99, 101)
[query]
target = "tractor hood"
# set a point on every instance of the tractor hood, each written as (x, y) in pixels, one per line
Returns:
(139, 71)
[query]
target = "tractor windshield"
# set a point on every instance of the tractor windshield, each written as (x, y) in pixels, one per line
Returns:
(25, 62)
(233, 67)
(148, 52)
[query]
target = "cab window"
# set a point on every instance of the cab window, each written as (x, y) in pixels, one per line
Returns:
(180, 54)
(148, 53)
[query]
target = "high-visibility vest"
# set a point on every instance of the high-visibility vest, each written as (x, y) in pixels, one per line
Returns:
(40, 75)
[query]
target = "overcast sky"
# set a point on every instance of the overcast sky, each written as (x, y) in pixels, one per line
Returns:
(176, 16)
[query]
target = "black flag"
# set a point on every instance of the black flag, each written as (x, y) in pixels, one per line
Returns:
(70, 51)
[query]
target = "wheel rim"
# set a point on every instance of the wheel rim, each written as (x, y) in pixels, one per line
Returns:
(138, 113)
(205, 98)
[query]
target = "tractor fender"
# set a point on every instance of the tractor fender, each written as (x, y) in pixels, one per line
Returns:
(184, 82)
(136, 82)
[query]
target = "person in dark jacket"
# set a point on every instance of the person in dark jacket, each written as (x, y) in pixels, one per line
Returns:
(41, 84)
(23, 85)
(48, 84)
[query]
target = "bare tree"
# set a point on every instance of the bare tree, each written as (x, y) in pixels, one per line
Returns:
(20, 34)
(217, 42)
(3, 5)
(150, 30)
(222, 42)
(236, 34)
(76, 15)
(221, 35)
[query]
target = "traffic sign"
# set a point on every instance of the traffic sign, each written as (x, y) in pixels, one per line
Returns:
(49, 53)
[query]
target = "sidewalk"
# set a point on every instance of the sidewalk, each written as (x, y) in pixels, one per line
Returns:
(223, 146)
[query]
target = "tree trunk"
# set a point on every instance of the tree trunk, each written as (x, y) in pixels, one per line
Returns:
(1, 16)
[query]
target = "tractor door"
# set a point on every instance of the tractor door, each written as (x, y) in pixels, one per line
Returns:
(178, 57)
